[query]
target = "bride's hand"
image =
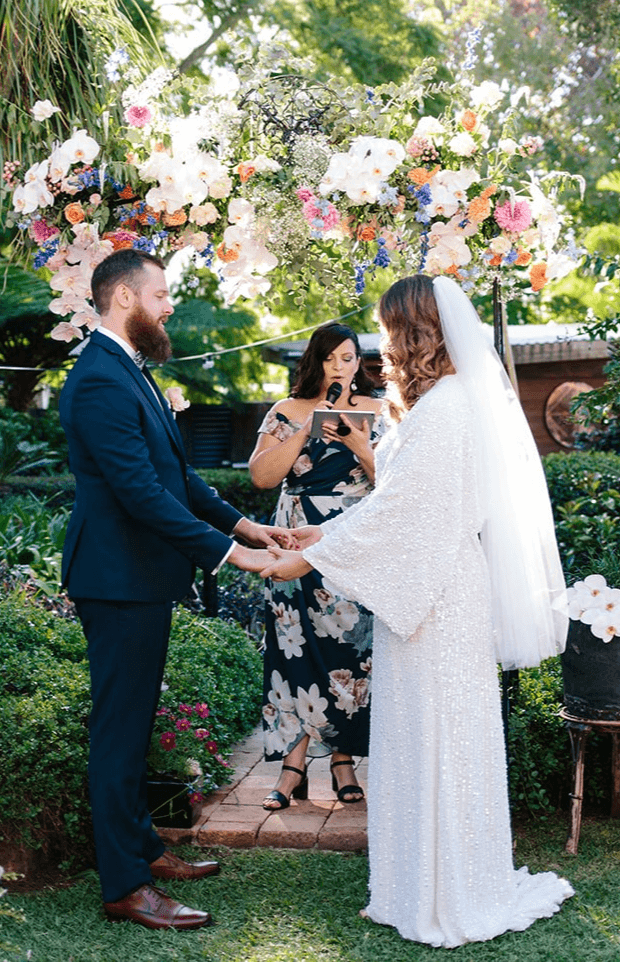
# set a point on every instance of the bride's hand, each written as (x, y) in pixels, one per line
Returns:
(305, 536)
(285, 565)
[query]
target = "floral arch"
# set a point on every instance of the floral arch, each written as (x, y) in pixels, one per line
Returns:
(291, 179)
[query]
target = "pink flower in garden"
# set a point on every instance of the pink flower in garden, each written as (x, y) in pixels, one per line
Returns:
(40, 231)
(185, 709)
(211, 747)
(201, 708)
(183, 724)
(196, 798)
(168, 741)
(138, 116)
(162, 711)
(320, 214)
(202, 733)
(304, 194)
(514, 217)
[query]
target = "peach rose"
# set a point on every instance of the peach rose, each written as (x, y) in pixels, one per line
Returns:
(538, 276)
(469, 120)
(74, 213)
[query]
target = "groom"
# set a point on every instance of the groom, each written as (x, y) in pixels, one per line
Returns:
(141, 523)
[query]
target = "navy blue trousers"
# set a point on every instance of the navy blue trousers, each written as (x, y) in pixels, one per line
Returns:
(127, 646)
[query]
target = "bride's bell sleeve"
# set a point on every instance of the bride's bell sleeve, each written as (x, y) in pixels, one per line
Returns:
(395, 551)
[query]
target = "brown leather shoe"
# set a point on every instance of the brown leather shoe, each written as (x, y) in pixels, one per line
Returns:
(170, 866)
(151, 907)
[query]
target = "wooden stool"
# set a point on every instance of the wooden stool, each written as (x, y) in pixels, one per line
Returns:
(578, 730)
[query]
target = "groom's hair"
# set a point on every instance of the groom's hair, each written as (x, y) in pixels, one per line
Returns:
(124, 266)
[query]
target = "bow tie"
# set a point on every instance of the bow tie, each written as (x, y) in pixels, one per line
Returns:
(139, 359)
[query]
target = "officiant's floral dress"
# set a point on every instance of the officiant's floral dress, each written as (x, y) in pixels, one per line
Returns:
(318, 643)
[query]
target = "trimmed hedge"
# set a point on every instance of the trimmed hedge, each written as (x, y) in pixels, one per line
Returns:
(232, 484)
(44, 707)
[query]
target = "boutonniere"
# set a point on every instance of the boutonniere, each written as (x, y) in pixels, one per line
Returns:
(174, 396)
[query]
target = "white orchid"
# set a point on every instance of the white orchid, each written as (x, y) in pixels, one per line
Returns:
(594, 603)
(43, 110)
(81, 148)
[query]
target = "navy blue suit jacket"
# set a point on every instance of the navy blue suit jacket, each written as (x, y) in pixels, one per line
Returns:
(142, 519)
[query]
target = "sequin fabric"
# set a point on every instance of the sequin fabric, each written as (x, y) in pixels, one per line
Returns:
(441, 868)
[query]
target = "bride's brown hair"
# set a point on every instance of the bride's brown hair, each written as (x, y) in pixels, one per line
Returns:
(413, 350)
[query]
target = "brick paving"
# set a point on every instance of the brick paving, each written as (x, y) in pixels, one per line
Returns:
(234, 816)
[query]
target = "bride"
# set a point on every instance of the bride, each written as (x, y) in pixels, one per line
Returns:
(455, 553)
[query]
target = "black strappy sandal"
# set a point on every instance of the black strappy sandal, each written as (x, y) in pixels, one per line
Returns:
(356, 790)
(300, 791)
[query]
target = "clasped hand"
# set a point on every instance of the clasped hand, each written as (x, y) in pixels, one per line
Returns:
(285, 565)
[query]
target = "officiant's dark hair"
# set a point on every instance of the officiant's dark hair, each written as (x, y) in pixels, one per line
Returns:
(124, 266)
(413, 349)
(309, 375)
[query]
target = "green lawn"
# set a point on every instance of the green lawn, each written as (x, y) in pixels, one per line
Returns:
(281, 906)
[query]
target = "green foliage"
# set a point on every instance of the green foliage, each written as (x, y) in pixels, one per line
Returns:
(212, 664)
(45, 702)
(585, 495)
(234, 486)
(32, 538)
(539, 748)
(198, 326)
(30, 444)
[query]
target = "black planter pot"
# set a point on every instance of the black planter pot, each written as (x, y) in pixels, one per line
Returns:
(168, 802)
(591, 673)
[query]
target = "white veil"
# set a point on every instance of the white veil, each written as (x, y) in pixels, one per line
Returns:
(518, 534)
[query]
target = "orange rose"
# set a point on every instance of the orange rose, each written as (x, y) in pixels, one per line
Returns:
(127, 192)
(488, 191)
(495, 260)
(175, 219)
(479, 209)
(453, 269)
(366, 232)
(245, 171)
(228, 254)
(74, 213)
(538, 276)
(523, 258)
(469, 120)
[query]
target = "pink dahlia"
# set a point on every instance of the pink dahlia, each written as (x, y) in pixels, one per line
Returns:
(304, 194)
(514, 218)
(168, 741)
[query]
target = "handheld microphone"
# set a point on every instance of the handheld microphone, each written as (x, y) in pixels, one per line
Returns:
(333, 392)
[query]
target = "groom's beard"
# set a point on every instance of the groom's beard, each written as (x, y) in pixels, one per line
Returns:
(146, 335)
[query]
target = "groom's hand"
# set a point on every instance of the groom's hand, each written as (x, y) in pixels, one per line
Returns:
(264, 535)
(284, 565)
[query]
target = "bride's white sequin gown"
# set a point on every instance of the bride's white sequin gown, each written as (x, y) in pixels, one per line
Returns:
(441, 868)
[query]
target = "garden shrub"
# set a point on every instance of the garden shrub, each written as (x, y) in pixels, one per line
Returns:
(44, 707)
(539, 748)
(584, 487)
(236, 486)
(38, 427)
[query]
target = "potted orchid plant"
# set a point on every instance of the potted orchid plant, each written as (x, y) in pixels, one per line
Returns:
(591, 662)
